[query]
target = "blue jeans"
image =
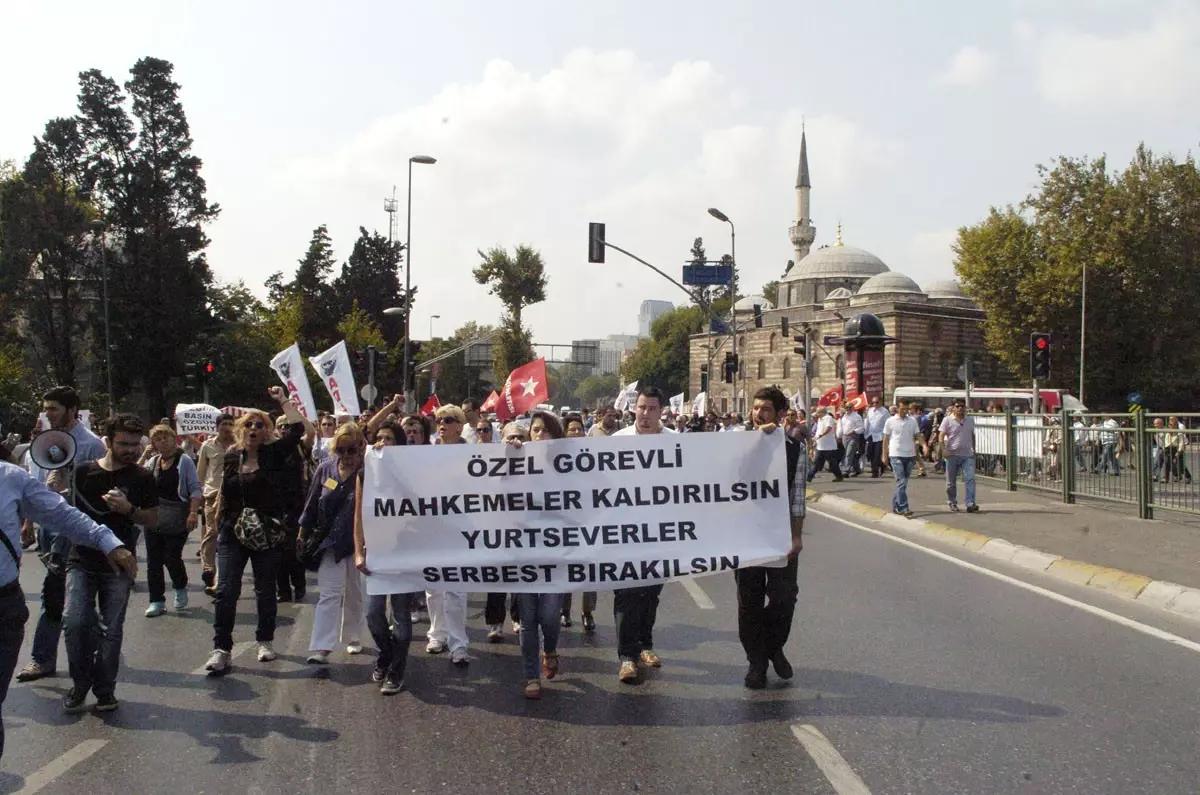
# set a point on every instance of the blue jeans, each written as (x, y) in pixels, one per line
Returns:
(1108, 458)
(54, 587)
(955, 464)
(93, 636)
(392, 643)
(902, 470)
(538, 610)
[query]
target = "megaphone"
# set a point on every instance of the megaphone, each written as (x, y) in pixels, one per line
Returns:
(52, 449)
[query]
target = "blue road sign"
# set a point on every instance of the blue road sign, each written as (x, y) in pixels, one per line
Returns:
(1135, 397)
(718, 327)
(707, 275)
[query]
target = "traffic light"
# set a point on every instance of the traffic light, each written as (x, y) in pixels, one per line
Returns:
(783, 322)
(191, 376)
(595, 242)
(758, 316)
(704, 378)
(210, 370)
(801, 345)
(1039, 356)
(731, 367)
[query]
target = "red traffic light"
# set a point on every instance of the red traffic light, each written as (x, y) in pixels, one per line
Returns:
(1040, 342)
(209, 368)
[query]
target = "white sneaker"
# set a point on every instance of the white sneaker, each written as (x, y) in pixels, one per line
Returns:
(181, 598)
(156, 609)
(460, 657)
(516, 627)
(414, 616)
(495, 633)
(435, 647)
(218, 662)
(354, 647)
(265, 652)
(318, 658)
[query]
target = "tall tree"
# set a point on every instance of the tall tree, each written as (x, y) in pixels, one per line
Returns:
(370, 276)
(700, 293)
(149, 185)
(1138, 234)
(770, 291)
(237, 336)
(518, 281)
(310, 289)
(596, 389)
(662, 359)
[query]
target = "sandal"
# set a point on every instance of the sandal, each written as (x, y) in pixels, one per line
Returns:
(533, 689)
(549, 665)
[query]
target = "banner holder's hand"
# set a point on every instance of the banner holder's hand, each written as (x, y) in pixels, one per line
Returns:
(360, 562)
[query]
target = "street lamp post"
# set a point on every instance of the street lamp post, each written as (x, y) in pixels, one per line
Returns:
(431, 319)
(1082, 329)
(720, 216)
(98, 226)
(410, 398)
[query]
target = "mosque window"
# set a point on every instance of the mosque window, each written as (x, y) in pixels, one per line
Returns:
(771, 343)
(923, 367)
(787, 368)
(762, 368)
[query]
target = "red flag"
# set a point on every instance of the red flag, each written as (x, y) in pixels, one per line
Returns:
(431, 405)
(525, 388)
(831, 398)
(859, 402)
(492, 401)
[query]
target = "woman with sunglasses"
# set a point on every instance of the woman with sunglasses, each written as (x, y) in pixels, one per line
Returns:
(574, 430)
(322, 446)
(329, 516)
(448, 609)
(254, 477)
(540, 610)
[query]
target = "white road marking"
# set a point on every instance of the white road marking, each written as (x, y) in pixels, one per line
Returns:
(1099, 612)
(39, 780)
(836, 769)
(697, 593)
(238, 650)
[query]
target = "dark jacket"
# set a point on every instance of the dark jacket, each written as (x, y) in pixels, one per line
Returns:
(330, 511)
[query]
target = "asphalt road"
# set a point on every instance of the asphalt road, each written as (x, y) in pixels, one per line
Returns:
(925, 677)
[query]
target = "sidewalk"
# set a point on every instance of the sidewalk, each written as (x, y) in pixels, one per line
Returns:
(1092, 533)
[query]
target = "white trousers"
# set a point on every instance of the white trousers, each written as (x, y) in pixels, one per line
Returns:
(447, 618)
(340, 607)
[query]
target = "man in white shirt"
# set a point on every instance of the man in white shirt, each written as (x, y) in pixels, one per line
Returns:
(852, 427)
(635, 609)
(1108, 448)
(470, 408)
(877, 416)
(901, 437)
(826, 443)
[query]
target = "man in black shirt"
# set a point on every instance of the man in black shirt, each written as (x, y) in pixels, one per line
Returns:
(116, 492)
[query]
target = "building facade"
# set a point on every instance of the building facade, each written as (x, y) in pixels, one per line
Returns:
(937, 329)
(649, 312)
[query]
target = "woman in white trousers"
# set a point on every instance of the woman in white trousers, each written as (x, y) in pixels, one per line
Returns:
(448, 609)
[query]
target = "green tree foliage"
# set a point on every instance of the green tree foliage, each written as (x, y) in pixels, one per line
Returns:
(662, 359)
(770, 291)
(370, 277)
(698, 256)
(518, 280)
(310, 289)
(1138, 233)
(456, 381)
(147, 182)
(729, 293)
(597, 389)
(237, 336)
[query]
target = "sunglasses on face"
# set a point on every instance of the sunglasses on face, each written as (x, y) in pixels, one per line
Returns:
(484, 429)
(446, 420)
(255, 425)
(348, 450)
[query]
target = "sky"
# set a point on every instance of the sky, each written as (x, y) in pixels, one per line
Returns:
(545, 115)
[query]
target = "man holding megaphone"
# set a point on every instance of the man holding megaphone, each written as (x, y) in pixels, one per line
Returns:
(53, 456)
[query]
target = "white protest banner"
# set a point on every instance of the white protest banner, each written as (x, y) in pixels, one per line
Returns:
(797, 401)
(627, 398)
(196, 418)
(573, 514)
(677, 404)
(288, 365)
(334, 368)
(700, 404)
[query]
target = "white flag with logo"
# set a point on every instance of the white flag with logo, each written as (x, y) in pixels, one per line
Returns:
(798, 400)
(333, 366)
(288, 365)
(627, 399)
(700, 404)
(677, 404)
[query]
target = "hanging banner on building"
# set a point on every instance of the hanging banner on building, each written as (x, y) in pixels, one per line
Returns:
(573, 514)
(288, 365)
(333, 366)
(196, 418)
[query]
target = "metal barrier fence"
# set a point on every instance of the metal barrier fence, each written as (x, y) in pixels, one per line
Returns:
(1139, 459)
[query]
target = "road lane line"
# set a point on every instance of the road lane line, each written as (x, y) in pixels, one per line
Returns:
(836, 769)
(697, 593)
(1099, 612)
(38, 780)
(238, 650)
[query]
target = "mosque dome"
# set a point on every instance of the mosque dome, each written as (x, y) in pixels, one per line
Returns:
(838, 294)
(837, 262)
(889, 283)
(945, 288)
(747, 303)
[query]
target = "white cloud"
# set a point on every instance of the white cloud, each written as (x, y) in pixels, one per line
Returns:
(526, 158)
(969, 66)
(1152, 66)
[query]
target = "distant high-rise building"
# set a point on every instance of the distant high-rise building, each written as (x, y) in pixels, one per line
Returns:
(650, 312)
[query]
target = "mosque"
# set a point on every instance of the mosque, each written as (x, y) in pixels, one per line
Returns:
(937, 328)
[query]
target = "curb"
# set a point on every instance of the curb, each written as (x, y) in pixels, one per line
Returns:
(1161, 594)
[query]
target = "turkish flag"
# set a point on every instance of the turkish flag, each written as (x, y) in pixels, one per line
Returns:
(525, 388)
(492, 401)
(431, 405)
(831, 398)
(859, 402)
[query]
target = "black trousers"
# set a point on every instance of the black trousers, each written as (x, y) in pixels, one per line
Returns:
(290, 576)
(766, 603)
(13, 615)
(875, 456)
(833, 457)
(635, 611)
(164, 550)
(493, 609)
